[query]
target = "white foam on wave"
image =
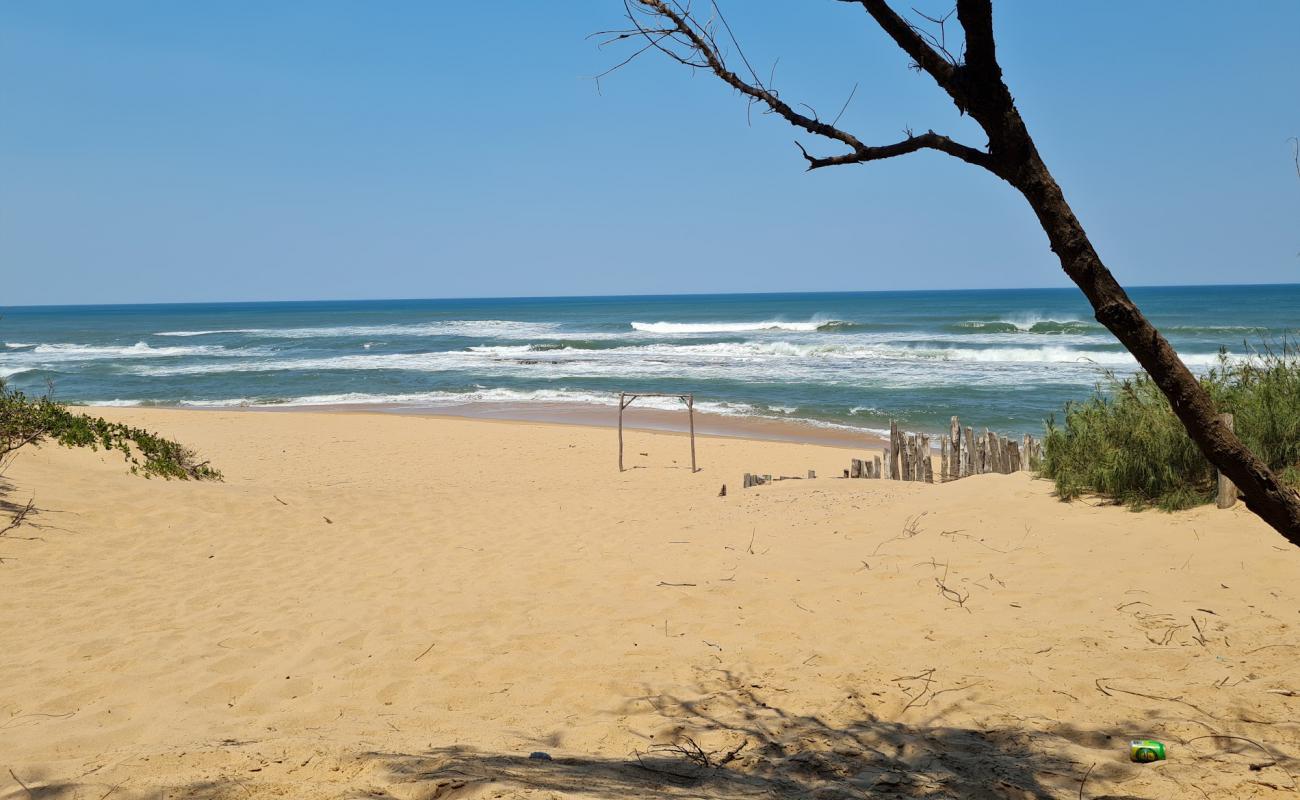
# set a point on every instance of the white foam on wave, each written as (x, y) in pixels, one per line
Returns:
(203, 333)
(82, 352)
(1047, 355)
(728, 327)
(781, 362)
(485, 328)
(439, 399)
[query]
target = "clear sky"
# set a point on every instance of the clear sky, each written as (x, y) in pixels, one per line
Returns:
(163, 151)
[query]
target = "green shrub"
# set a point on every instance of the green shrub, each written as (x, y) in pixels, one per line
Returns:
(25, 420)
(1124, 442)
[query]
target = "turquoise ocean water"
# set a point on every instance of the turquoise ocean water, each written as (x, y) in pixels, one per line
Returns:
(1002, 359)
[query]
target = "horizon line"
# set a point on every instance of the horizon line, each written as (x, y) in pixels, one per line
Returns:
(481, 298)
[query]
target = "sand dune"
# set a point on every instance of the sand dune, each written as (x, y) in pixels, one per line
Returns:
(408, 607)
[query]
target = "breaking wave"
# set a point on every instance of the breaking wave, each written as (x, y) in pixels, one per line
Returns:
(1027, 325)
(740, 327)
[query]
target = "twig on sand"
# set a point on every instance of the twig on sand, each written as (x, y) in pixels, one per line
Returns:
(910, 528)
(665, 772)
(1155, 697)
(951, 594)
(19, 517)
(1277, 762)
(665, 583)
(110, 791)
(26, 788)
(1085, 779)
(426, 651)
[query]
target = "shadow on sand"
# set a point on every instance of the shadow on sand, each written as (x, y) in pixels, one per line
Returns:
(733, 743)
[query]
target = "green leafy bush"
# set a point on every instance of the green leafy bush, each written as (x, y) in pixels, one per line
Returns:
(1125, 443)
(25, 420)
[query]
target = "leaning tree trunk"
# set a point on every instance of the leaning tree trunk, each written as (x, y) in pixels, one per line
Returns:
(1015, 158)
(976, 87)
(1263, 493)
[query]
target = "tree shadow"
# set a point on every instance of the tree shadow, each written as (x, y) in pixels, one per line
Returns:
(734, 743)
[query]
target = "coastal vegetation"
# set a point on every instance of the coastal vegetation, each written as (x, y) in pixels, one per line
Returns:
(28, 421)
(1125, 443)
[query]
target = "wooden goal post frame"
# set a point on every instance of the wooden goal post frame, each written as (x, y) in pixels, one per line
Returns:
(626, 399)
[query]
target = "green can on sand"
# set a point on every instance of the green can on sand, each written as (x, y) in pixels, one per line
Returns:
(1144, 751)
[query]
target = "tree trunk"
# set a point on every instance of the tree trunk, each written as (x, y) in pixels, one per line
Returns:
(1262, 492)
(978, 89)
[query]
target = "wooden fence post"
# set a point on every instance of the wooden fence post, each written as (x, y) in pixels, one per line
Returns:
(895, 451)
(954, 445)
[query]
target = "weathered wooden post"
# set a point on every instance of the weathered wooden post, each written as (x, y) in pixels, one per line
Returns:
(1227, 496)
(954, 444)
(876, 469)
(895, 451)
(972, 457)
(690, 414)
(855, 468)
(621, 405)
(1013, 456)
(944, 456)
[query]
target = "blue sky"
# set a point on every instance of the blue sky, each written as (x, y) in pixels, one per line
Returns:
(161, 151)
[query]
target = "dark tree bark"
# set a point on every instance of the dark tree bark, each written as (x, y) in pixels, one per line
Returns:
(976, 87)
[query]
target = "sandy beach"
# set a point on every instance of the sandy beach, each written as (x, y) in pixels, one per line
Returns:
(394, 606)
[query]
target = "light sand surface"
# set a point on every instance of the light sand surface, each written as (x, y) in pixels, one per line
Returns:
(390, 606)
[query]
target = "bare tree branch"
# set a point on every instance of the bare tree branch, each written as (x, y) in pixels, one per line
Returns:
(926, 141)
(679, 26)
(906, 36)
(976, 17)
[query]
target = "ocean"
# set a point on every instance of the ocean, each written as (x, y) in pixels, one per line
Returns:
(1002, 359)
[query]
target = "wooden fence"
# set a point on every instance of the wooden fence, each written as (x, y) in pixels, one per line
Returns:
(962, 453)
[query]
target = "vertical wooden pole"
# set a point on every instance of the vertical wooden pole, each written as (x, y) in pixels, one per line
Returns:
(621, 395)
(945, 455)
(876, 469)
(895, 451)
(970, 452)
(954, 443)
(1227, 496)
(690, 413)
